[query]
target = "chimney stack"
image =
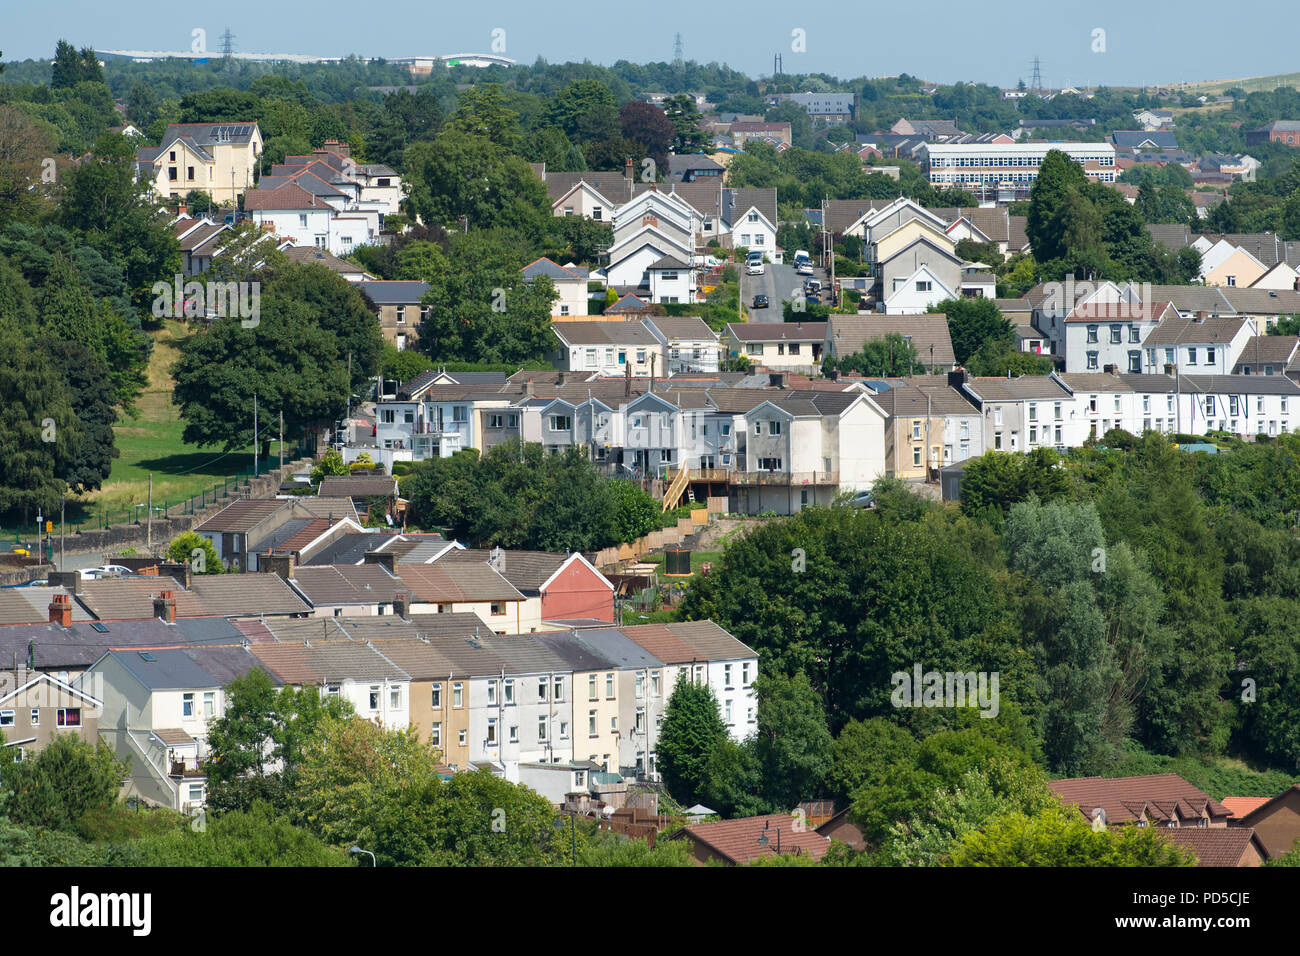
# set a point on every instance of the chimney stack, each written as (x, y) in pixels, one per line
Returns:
(281, 564)
(164, 607)
(776, 379)
(385, 559)
(957, 378)
(61, 610)
(402, 605)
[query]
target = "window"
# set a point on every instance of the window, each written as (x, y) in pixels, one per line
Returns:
(6, 718)
(436, 699)
(460, 737)
(639, 726)
(508, 692)
(36, 717)
(758, 428)
(498, 608)
(435, 734)
(374, 697)
(1133, 333)
(401, 315)
(613, 725)
(496, 421)
(1135, 360)
(640, 684)
(196, 792)
(726, 707)
(187, 705)
(541, 688)
(609, 686)
(640, 356)
(541, 728)
(333, 690)
(916, 457)
(559, 689)
(591, 687)
(209, 704)
(1209, 355)
(591, 723)
(564, 730)
(1092, 333)
(458, 695)
(774, 428)
(492, 692)
(1115, 335)
(1191, 356)
(1056, 410)
(1033, 415)
(514, 734)
(654, 683)
(561, 423)
(492, 730)
(916, 427)
(726, 676)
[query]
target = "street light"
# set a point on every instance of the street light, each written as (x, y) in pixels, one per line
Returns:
(357, 849)
(763, 841)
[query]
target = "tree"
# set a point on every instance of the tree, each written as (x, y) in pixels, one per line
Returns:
(181, 551)
(891, 356)
(1000, 479)
(691, 732)
(586, 111)
(972, 323)
(42, 438)
(793, 745)
(466, 175)
(263, 727)
(1058, 176)
(331, 464)
(63, 782)
(91, 395)
(482, 111)
(255, 837)
(685, 117)
(608, 849)
(1062, 837)
(72, 67)
(646, 124)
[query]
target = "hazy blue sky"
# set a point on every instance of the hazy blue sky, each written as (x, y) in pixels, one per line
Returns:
(942, 40)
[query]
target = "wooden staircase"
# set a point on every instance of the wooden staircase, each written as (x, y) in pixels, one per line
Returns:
(673, 494)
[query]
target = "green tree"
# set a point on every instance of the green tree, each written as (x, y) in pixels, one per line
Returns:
(586, 111)
(255, 837)
(972, 323)
(793, 745)
(691, 732)
(331, 464)
(181, 551)
(1058, 176)
(63, 782)
(1062, 837)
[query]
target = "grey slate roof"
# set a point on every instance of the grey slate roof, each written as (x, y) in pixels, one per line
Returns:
(182, 668)
(394, 292)
(617, 648)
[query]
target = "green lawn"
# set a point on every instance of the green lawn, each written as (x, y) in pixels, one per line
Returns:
(151, 443)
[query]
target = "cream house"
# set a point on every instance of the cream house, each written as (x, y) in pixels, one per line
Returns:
(217, 159)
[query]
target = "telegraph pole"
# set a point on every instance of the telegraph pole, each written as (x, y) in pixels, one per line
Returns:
(148, 522)
(255, 446)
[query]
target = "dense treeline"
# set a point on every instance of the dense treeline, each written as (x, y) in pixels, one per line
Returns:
(1138, 604)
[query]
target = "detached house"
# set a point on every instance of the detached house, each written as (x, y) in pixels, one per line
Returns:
(400, 306)
(218, 159)
(570, 284)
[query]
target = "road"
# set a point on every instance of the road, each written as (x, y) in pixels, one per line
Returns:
(778, 283)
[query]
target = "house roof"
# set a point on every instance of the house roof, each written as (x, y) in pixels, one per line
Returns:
(736, 841)
(83, 643)
(394, 291)
(840, 214)
(131, 598)
(358, 486)
(1242, 806)
(616, 648)
(778, 331)
(1217, 846)
(1258, 812)
(247, 595)
(614, 186)
(737, 202)
(849, 333)
(577, 655)
(682, 327)
(553, 271)
(181, 668)
(631, 332)
(525, 570)
(904, 399)
(31, 605)
(1270, 349)
(288, 196)
(662, 643)
(325, 660)
(999, 389)
(311, 255)
(1158, 796)
(242, 516)
(456, 582)
(347, 584)
(1175, 330)
(711, 641)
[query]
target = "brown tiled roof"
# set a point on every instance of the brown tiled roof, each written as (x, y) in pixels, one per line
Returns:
(174, 736)
(1098, 312)
(941, 399)
(1127, 799)
(849, 333)
(736, 841)
(456, 581)
(1214, 846)
(710, 641)
(131, 598)
(778, 331)
(325, 506)
(662, 643)
(995, 388)
(358, 486)
(1179, 331)
(347, 584)
(525, 570)
(288, 196)
(1271, 349)
(422, 661)
(247, 595)
(306, 535)
(326, 660)
(31, 605)
(1256, 812)
(243, 515)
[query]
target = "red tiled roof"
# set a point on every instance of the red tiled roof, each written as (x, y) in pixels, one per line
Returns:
(1240, 806)
(309, 533)
(1213, 847)
(737, 840)
(1156, 797)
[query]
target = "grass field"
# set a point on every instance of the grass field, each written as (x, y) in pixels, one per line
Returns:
(151, 443)
(1251, 84)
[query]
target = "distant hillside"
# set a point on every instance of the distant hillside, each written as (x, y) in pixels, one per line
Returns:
(1251, 84)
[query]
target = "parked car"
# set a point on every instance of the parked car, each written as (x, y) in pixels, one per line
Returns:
(104, 571)
(862, 499)
(760, 301)
(754, 267)
(803, 268)
(812, 286)
(812, 298)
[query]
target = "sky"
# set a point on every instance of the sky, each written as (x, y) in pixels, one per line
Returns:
(1112, 42)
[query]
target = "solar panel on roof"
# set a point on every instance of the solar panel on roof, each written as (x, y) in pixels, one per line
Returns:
(102, 628)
